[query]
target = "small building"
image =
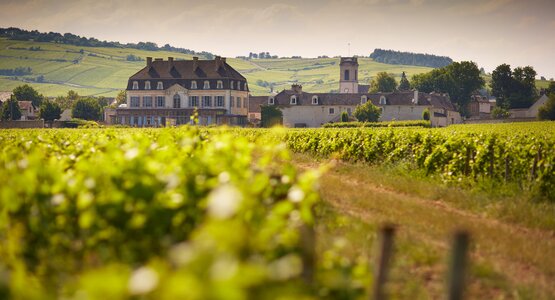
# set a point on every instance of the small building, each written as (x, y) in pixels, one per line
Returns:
(28, 110)
(255, 109)
(170, 92)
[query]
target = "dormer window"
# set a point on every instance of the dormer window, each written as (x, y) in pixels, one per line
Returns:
(160, 85)
(382, 100)
(238, 85)
(315, 100)
(220, 85)
(293, 100)
(135, 85)
(363, 99)
(245, 87)
(271, 100)
(147, 85)
(193, 85)
(231, 85)
(206, 85)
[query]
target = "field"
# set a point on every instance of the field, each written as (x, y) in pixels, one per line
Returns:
(274, 214)
(105, 71)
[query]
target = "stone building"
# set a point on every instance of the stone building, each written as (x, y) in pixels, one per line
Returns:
(168, 92)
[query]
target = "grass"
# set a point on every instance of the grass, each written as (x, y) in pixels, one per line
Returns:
(511, 252)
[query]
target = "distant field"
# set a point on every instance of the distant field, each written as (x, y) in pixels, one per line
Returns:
(104, 71)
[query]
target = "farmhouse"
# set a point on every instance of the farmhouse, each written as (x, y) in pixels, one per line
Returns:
(302, 109)
(168, 92)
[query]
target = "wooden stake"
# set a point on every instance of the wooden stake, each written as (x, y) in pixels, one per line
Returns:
(457, 268)
(382, 263)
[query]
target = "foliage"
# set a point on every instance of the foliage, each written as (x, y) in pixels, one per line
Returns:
(50, 111)
(459, 80)
(27, 93)
(389, 124)
(125, 214)
(547, 111)
(426, 115)
(500, 112)
(409, 58)
(121, 98)
(131, 57)
(514, 89)
(551, 88)
(86, 109)
(10, 109)
(367, 112)
(270, 115)
(404, 84)
(344, 117)
(19, 71)
(383, 82)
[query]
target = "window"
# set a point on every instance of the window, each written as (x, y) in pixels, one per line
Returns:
(232, 100)
(363, 99)
(239, 85)
(193, 101)
(231, 85)
(293, 100)
(206, 101)
(349, 111)
(160, 101)
(346, 76)
(206, 85)
(238, 101)
(332, 111)
(245, 103)
(271, 100)
(382, 100)
(147, 85)
(220, 101)
(160, 85)
(245, 87)
(147, 101)
(135, 101)
(176, 101)
(315, 100)
(135, 85)
(193, 85)
(356, 75)
(220, 85)
(346, 90)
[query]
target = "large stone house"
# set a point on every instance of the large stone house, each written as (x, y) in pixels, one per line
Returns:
(303, 109)
(168, 92)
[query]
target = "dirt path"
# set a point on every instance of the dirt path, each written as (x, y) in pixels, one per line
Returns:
(526, 257)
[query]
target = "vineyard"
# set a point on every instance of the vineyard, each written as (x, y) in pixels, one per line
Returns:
(192, 213)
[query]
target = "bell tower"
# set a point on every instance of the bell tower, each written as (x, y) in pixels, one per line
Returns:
(348, 76)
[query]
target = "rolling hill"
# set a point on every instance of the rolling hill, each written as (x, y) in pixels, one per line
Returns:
(98, 71)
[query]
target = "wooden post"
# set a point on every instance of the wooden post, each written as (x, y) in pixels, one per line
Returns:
(308, 248)
(382, 263)
(457, 267)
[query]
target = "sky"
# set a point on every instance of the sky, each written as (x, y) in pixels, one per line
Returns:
(488, 32)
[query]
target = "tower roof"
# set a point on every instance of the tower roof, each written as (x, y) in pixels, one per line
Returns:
(349, 61)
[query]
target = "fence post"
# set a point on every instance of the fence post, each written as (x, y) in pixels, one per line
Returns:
(382, 263)
(457, 267)
(308, 248)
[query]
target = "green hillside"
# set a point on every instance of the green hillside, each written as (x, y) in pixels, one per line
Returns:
(104, 71)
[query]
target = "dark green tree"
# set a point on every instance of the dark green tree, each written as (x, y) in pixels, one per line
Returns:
(27, 93)
(50, 111)
(551, 88)
(10, 109)
(426, 115)
(516, 88)
(547, 111)
(67, 102)
(86, 109)
(404, 84)
(383, 82)
(344, 117)
(367, 112)
(270, 115)
(502, 84)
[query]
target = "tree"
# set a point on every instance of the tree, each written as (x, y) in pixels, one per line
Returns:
(121, 98)
(404, 84)
(501, 84)
(68, 101)
(500, 112)
(426, 115)
(270, 115)
(10, 109)
(514, 89)
(86, 109)
(547, 111)
(551, 88)
(384, 83)
(344, 117)
(367, 112)
(27, 93)
(50, 111)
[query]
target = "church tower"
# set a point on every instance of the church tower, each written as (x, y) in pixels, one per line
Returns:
(348, 77)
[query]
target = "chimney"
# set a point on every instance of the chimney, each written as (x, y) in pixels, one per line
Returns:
(148, 61)
(218, 61)
(415, 98)
(297, 88)
(195, 63)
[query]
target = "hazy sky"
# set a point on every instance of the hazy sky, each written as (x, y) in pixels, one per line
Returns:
(489, 32)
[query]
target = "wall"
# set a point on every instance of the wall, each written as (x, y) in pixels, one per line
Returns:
(400, 112)
(312, 116)
(22, 124)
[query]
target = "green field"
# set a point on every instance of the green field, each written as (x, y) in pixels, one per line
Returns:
(105, 71)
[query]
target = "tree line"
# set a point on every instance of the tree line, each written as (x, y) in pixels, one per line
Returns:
(19, 71)
(409, 58)
(14, 33)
